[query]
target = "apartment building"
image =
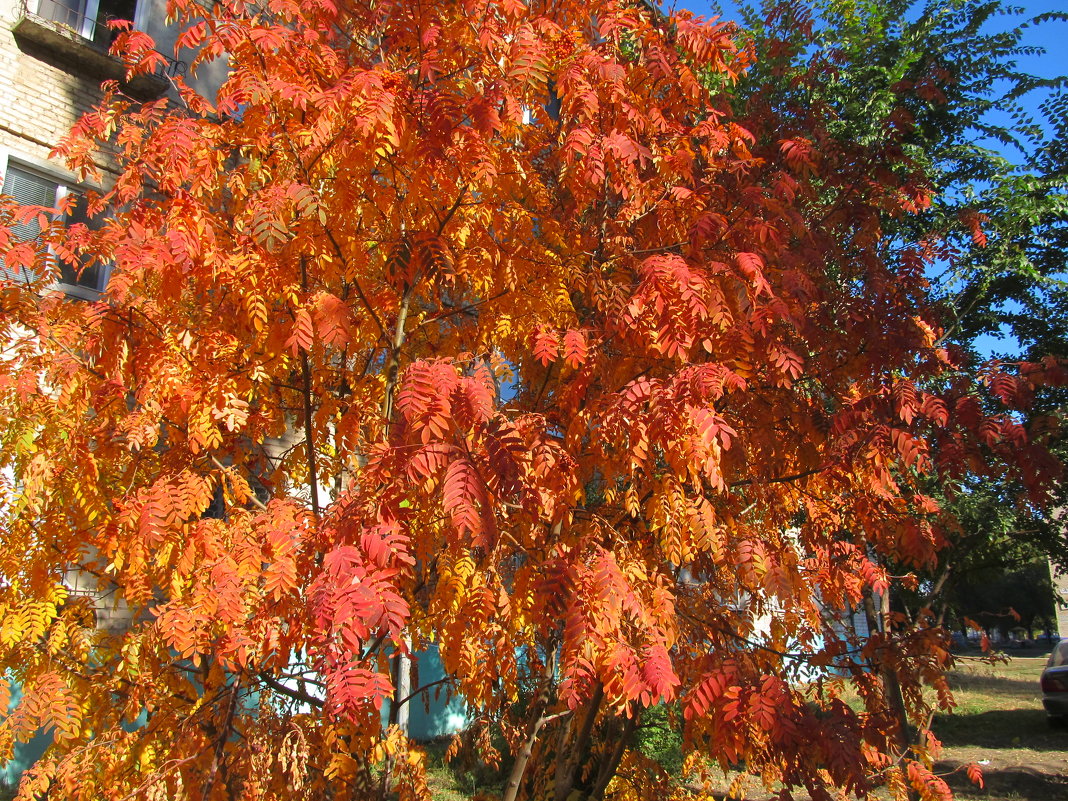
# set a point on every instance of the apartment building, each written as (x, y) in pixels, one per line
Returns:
(53, 57)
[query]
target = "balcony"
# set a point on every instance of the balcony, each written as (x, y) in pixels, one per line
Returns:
(75, 35)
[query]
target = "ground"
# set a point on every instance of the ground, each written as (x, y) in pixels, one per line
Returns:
(999, 720)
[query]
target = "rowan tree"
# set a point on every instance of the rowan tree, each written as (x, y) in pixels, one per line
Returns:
(495, 328)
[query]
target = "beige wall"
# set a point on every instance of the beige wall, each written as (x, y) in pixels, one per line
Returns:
(1060, 587)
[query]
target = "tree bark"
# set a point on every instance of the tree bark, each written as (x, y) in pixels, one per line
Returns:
(611, 764)
(539, 719)
(402, 689)
(306, 393)
(567, 769)
(218, 755)
(880, 620)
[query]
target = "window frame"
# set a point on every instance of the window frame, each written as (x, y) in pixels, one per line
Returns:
(66, 183)
(87, 28)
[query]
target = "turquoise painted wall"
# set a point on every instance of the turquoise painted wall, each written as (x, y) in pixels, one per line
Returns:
(432, 713)
(25, 753)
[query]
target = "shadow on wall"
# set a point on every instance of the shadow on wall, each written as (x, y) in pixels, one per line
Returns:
(153, 21)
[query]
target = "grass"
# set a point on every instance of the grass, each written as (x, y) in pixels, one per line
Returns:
(460, 780)
(999, 720)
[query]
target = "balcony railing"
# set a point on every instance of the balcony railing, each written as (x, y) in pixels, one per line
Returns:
(63, 30)
(70, 18)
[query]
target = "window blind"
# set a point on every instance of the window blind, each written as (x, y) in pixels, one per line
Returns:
(29, 189)
(32, 189)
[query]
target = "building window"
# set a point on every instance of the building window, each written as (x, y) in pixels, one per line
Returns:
(73, 35)
(31, 188)
(87, 18)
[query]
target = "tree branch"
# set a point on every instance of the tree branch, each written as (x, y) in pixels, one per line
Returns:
(295, 695)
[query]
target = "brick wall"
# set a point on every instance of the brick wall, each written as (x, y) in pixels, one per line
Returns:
(39, 101)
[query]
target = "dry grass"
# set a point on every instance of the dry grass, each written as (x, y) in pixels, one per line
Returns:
(999, 720)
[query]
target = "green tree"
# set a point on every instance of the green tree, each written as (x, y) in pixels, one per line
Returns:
(1003, 600)
(937, 82)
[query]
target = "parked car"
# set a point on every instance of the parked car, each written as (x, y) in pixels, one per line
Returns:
(1055, 684)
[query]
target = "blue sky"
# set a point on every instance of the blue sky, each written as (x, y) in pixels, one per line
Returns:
(1052, 36)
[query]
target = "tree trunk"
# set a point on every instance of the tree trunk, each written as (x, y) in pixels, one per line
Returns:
(611, 764)
(538, 720)
(567, 769)
(402, 689)
(880, 620)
